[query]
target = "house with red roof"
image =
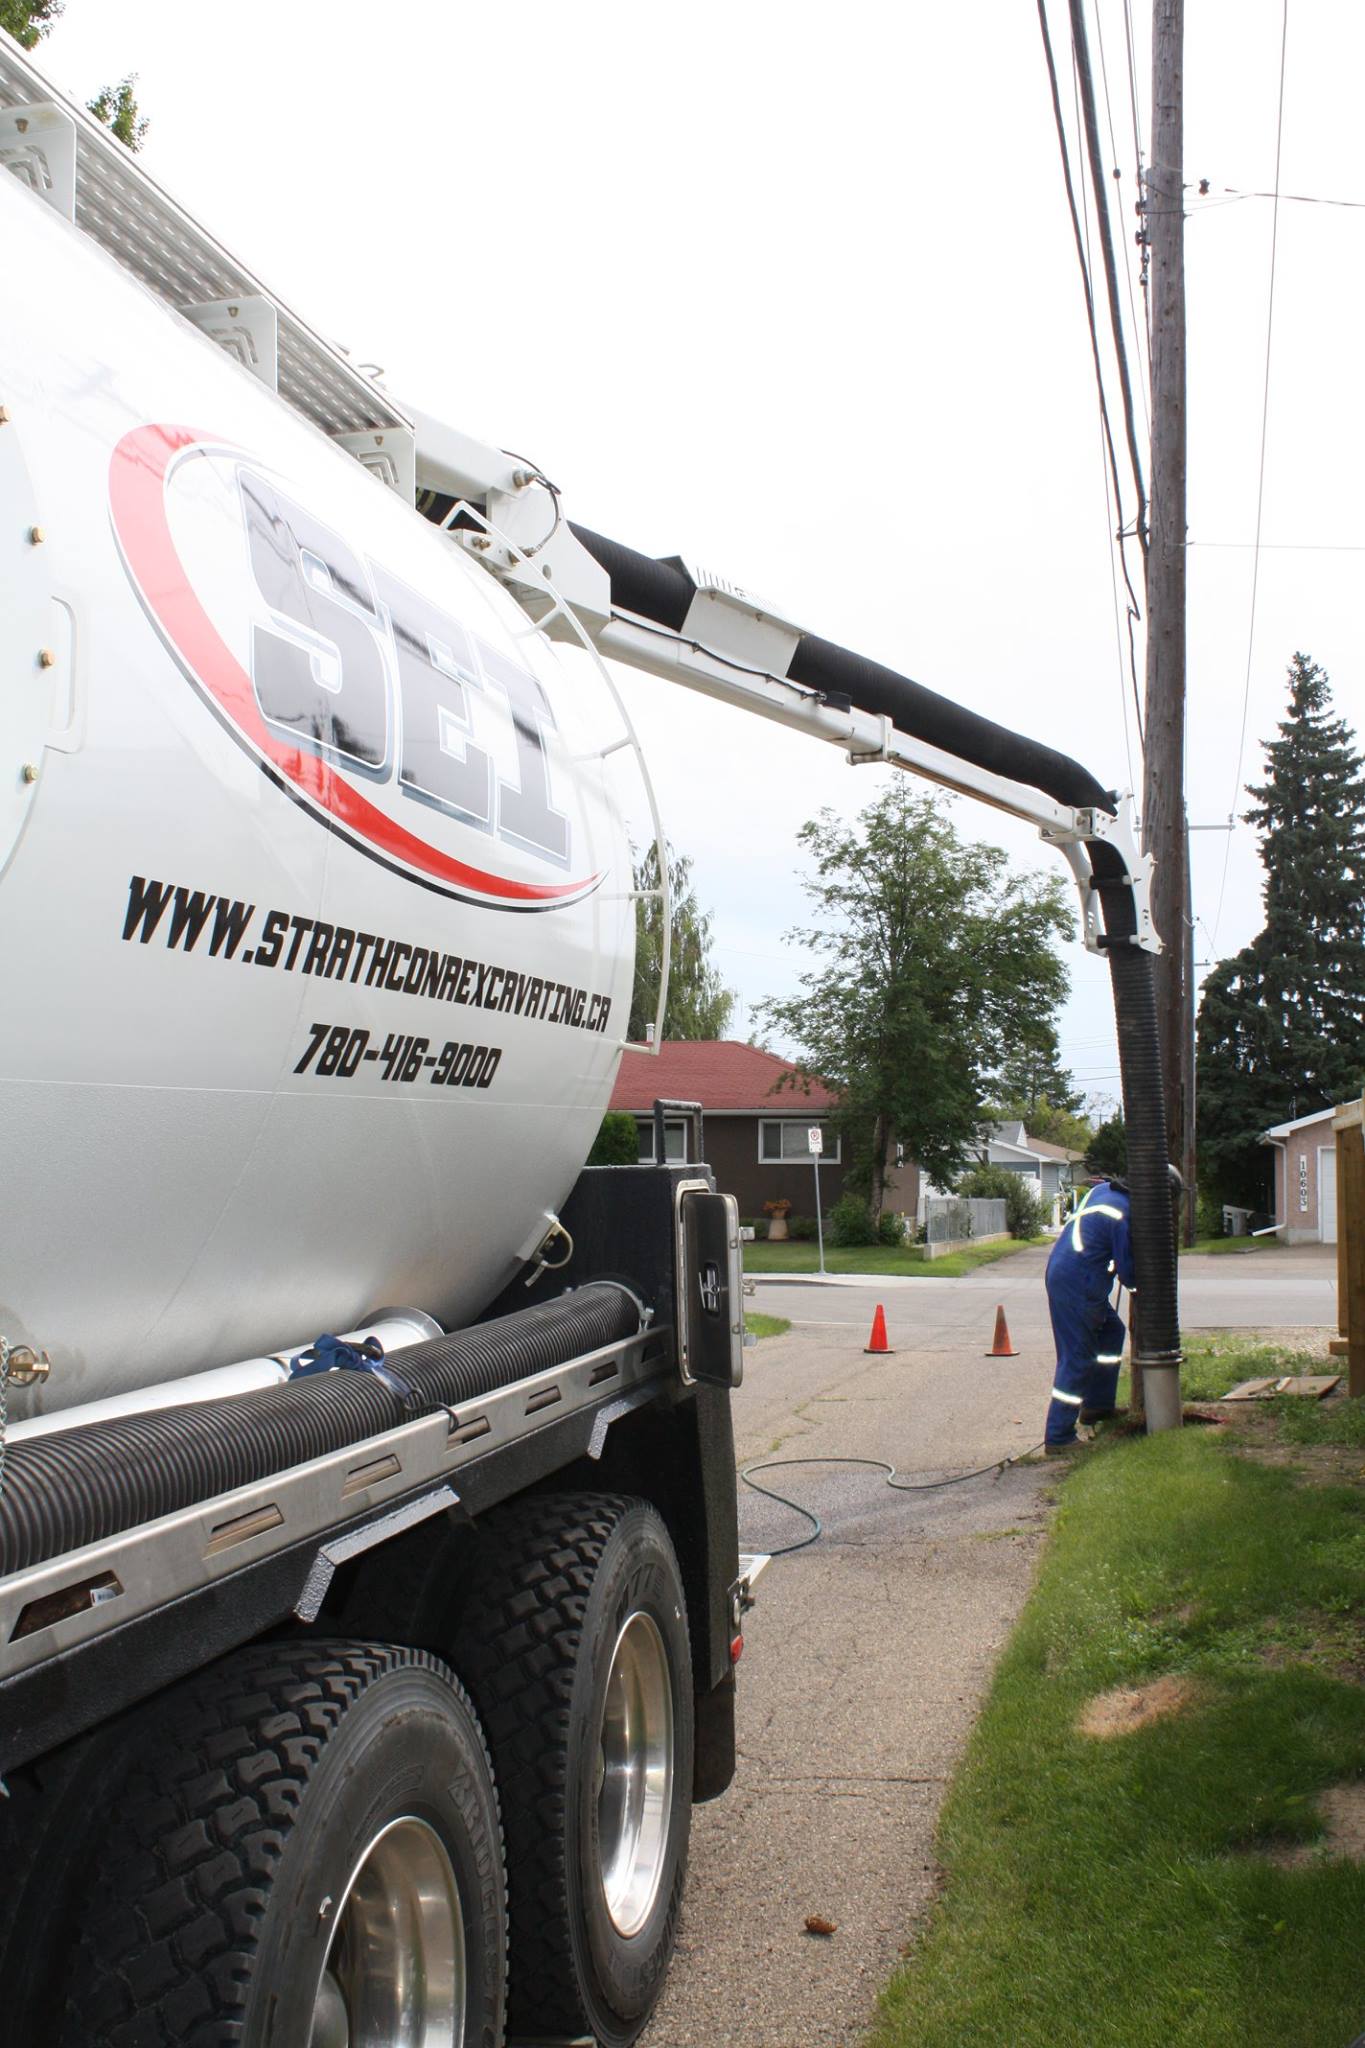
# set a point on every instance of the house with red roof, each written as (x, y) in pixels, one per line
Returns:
(757, 1111)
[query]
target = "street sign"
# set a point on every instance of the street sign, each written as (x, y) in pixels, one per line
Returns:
(815, 1145)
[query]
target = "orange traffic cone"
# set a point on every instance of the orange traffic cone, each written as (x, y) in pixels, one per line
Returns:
(877, 1341)
(1002, 1347)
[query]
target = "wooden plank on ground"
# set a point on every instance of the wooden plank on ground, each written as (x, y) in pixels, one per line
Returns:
(1310, 1385)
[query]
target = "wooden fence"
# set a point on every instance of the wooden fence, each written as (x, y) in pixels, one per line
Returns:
(1349, 1125)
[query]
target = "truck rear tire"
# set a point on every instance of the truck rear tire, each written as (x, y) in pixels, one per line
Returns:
(573, 1642)
(305, 1853)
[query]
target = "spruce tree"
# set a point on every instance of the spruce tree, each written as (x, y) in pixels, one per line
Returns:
(1282, 1023)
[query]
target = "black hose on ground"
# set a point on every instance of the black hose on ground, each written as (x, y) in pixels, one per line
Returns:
(70, 1488)
(891, 1478)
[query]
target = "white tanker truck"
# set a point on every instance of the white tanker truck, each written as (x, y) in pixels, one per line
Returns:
(335, 1669)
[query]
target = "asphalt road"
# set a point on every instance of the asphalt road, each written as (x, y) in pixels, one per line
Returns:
(868, 1655)
(1293, 1288)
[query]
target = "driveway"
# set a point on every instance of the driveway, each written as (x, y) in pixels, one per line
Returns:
(866, 1658)
(868, 1655)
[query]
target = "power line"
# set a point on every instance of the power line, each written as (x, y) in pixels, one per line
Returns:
(1131, 49)
(1118, 647)
(1081, 50)
(1105, 424)
(1139, 326)
(1288, 547)
(1234, 193)
(1260, 479)
(1114, 520)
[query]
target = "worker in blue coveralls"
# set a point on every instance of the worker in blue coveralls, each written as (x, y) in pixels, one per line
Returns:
(1092, 1255)
(1094, 1251)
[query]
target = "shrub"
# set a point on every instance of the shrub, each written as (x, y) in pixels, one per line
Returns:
(890, 1229)
(1208, 1216)
(1023, 1210)
(850, 1222)
(617, 1142)
(802, 1229)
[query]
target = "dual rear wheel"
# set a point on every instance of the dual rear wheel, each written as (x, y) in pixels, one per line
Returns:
(326, 1845)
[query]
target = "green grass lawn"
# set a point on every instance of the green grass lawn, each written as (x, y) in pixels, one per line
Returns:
(766, 1326)
(1216, 1361)
(802, 1258)
(1118, 1893)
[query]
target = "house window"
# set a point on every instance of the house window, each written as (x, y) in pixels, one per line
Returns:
(784, 1143)
(675, 1141)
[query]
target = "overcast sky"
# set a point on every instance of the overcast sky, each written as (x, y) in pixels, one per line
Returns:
(790, 290)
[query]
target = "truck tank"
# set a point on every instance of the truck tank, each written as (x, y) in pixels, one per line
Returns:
(315, 904)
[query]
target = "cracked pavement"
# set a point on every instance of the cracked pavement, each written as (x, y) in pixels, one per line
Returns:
(868, 1654)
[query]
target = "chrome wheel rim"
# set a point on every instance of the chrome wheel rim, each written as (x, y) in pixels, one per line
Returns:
(395, 1970)
(635, 1774)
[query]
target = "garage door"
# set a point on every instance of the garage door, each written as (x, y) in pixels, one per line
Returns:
(1327, 1193)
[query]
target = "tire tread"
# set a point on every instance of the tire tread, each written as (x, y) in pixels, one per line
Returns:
(195, 1835)
(518, 1650)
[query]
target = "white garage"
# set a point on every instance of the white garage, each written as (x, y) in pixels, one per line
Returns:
(1306, 1178)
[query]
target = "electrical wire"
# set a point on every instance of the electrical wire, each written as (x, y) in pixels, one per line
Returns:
(1131, 51)
(896, 1484)
(1114, 522)
(1139, 326)
(1260, 477)
(1106, 428)
(1288, 547)
(1081, 49)
(1118, 647)
(1234, 193)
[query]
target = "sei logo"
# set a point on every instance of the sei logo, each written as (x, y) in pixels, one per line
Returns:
(373, 706)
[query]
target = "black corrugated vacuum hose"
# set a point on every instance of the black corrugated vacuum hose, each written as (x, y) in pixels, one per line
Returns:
(663, 591)
(1157, 1333)
(76, 1486)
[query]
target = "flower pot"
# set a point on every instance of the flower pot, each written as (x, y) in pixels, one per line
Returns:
(777, 1229)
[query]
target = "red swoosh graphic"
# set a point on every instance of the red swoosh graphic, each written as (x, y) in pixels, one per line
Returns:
(138, 470)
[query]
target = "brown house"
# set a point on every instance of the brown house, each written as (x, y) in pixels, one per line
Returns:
(757, 1113)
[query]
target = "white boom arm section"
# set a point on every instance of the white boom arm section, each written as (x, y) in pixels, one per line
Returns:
(732, 647)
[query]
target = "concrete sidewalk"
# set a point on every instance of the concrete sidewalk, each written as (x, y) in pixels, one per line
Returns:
(866, 1658)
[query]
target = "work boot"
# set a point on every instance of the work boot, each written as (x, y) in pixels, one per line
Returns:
(1069, 1446)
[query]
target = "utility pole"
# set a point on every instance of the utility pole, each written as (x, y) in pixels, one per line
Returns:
(1163, 792)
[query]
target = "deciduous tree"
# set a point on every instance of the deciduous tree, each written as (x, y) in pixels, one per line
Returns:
(117, 107)
(28, 20)
(1282, 1023)
(1036, 1089)
(699, 1004)
(935, 961)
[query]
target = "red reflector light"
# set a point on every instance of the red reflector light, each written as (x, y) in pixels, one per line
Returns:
(736, 1649)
